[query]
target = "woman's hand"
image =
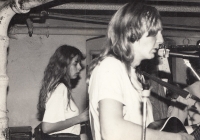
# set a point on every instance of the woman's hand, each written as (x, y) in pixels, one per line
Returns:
(84, 116)
(61, 125)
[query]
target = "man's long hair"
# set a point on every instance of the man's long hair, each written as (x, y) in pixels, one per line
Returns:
(128, 25)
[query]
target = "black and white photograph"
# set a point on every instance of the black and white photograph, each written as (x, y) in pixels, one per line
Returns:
(99, 69)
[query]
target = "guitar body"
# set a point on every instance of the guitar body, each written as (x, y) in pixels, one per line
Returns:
(171, 124)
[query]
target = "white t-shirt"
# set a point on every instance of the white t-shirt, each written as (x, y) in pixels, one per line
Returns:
(110, 80)
(57, 109)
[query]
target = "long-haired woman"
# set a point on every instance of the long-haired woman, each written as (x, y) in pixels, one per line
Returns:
(57, 109)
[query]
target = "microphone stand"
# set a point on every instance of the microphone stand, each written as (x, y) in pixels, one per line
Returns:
(145, 94)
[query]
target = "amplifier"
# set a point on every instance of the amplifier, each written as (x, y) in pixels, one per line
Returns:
(20, 133)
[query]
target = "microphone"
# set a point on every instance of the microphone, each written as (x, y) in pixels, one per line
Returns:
(166, 53)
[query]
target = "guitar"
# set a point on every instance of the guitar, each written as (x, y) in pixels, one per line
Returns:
(173, 125)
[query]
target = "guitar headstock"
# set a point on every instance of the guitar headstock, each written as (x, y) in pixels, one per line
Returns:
(187, 62)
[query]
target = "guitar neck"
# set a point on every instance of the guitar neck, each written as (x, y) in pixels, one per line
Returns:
(187, 63)
(175, 89)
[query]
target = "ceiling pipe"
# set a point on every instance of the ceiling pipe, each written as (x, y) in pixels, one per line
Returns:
(58, 31)
(88, 6)
(104, 20)
(7, 11)
(161, 8)
(89, 31)
(84, 18)
(28, 4)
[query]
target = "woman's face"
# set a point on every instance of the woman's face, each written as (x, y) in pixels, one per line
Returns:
(74, 68)
(147, 46)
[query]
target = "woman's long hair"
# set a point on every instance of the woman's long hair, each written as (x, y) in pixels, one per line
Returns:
(128, 25)
(56, 72)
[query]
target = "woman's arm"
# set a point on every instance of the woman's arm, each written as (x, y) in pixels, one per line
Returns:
(114, 127)
(61, 125)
